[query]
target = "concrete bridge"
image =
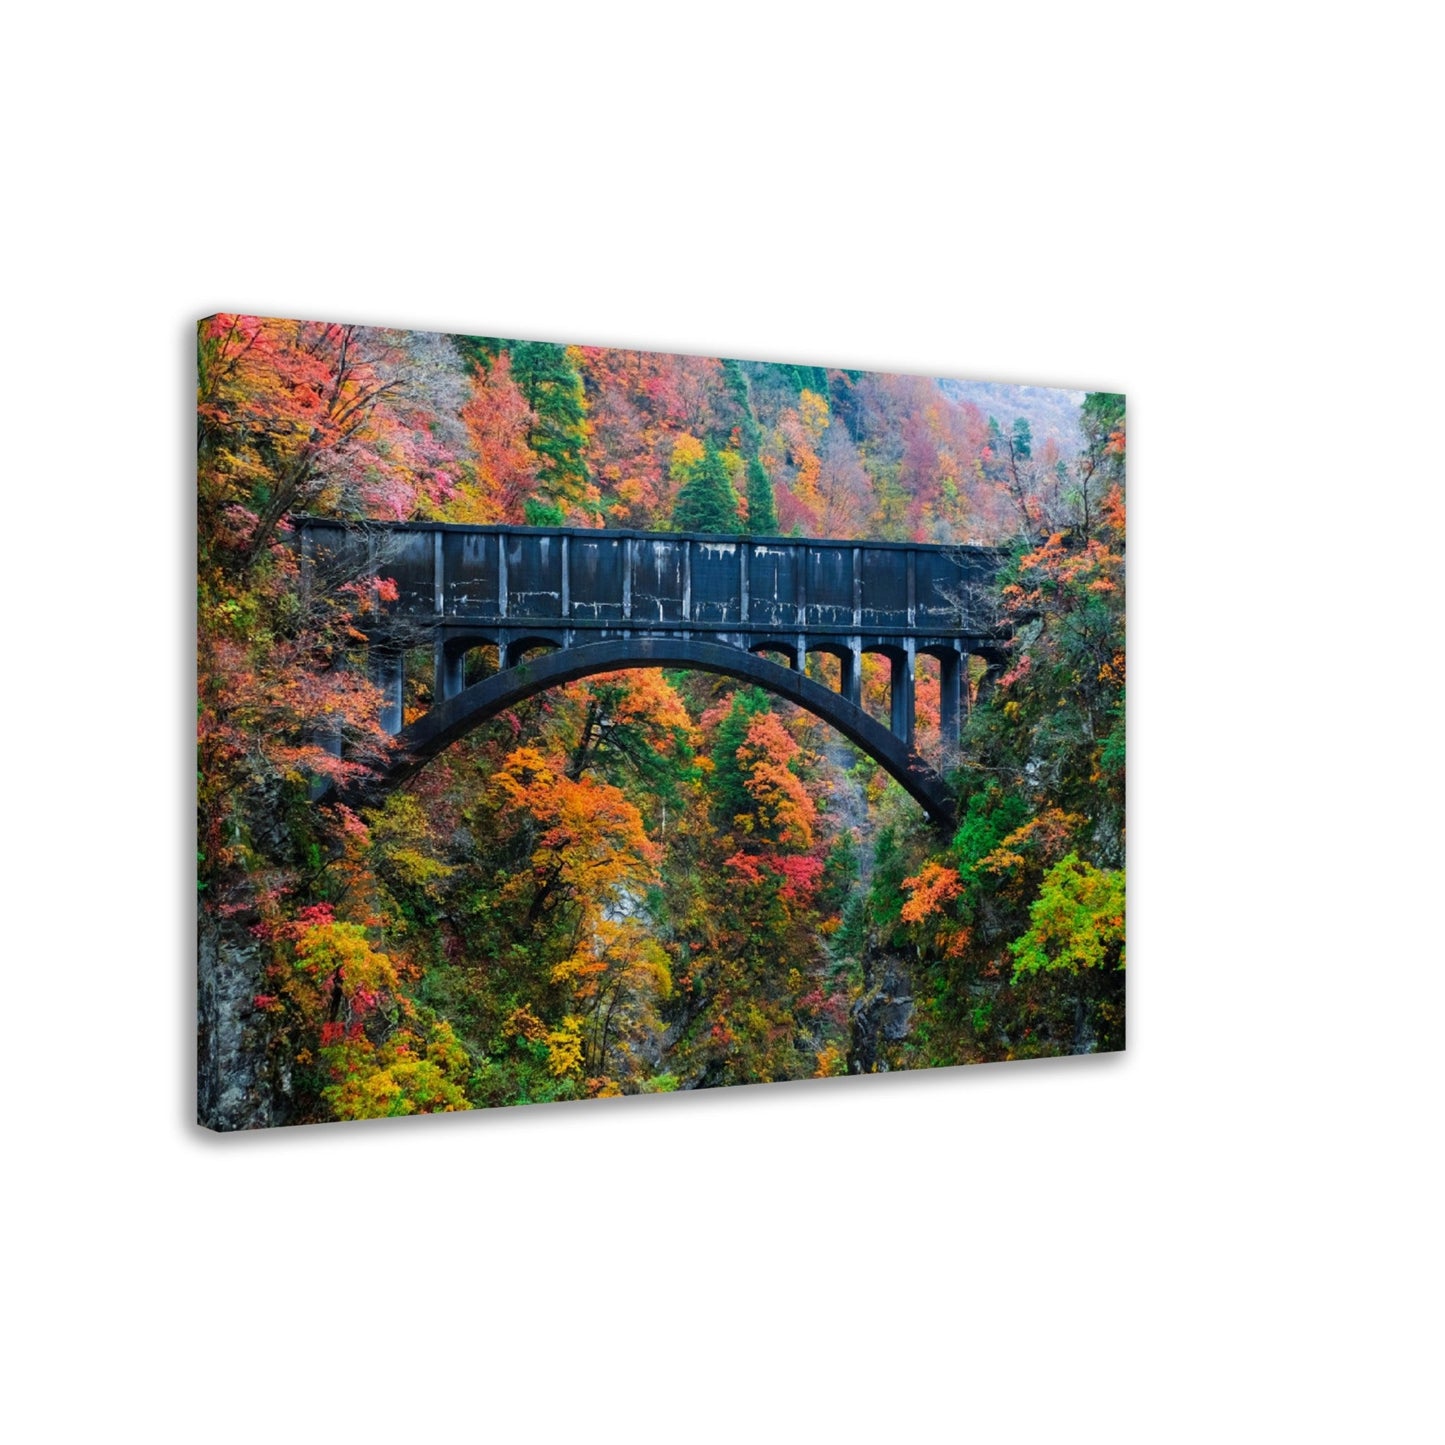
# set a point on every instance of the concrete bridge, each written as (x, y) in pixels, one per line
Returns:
(596, 601)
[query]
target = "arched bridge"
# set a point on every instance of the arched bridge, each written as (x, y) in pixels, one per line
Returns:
(597, 601)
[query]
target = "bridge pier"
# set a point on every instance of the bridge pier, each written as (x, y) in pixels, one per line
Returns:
(950, 676)
(384, 667)
(850, 666)
(900, 692)
(450, 666)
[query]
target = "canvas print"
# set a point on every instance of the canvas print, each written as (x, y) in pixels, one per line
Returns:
(576, 721)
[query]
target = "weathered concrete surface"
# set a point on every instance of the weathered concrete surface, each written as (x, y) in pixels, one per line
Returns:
(657, 579)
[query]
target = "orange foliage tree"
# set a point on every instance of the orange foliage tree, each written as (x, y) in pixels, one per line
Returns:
(499, 423)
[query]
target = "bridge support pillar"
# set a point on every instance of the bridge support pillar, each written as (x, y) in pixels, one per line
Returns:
(449, 670)
(950, 675)
(384, 666)
(850, 668)
(900, 693)
(800, 655)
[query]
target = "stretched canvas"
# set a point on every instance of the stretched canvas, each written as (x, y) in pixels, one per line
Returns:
(577, 721)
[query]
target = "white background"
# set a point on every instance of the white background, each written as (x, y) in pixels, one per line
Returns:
(1230, 1233)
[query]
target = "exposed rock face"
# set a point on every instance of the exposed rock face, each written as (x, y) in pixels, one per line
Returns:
(883, 1012)
(233, 1087)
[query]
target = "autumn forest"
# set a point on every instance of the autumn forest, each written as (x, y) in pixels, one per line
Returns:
(654, 879)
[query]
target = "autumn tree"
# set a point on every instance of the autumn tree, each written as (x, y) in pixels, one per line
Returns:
(754, 998)
(549, 380)
(1020, 921)
(799, 440)
(357, 420)
(505, 471)
(845, 491)
(351, 422)
(762, 519)
(346, 420)
(632, 725)
(779, 809)
(1101, 465)
(640, 405)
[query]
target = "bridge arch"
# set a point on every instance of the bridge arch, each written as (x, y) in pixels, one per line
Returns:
(517, 648)
(453, 718)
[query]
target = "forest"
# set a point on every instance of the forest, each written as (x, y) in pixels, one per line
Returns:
(649, 880)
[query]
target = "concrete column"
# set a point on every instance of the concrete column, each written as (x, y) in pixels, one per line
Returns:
(900, 694)
(950, 674)
(449, 670)
(626, 545)
(308, 562)
(851, 670)
(687, 580)
(857, 587)
(800, 567)
(897, 681)
(800, 654)
(385, 667)
(911, 669)
(439, 592)
(912, 588)
(501, 574)
(328, 739)
(566, 576)
(744, 552)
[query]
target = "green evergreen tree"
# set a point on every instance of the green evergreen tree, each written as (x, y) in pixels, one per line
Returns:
(737, 385)
(809, 378)
(479, 352)
(707, 502)
(1101, 463)
(729, 795)
(552, 387)
(1100, 417)
(762, 509)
